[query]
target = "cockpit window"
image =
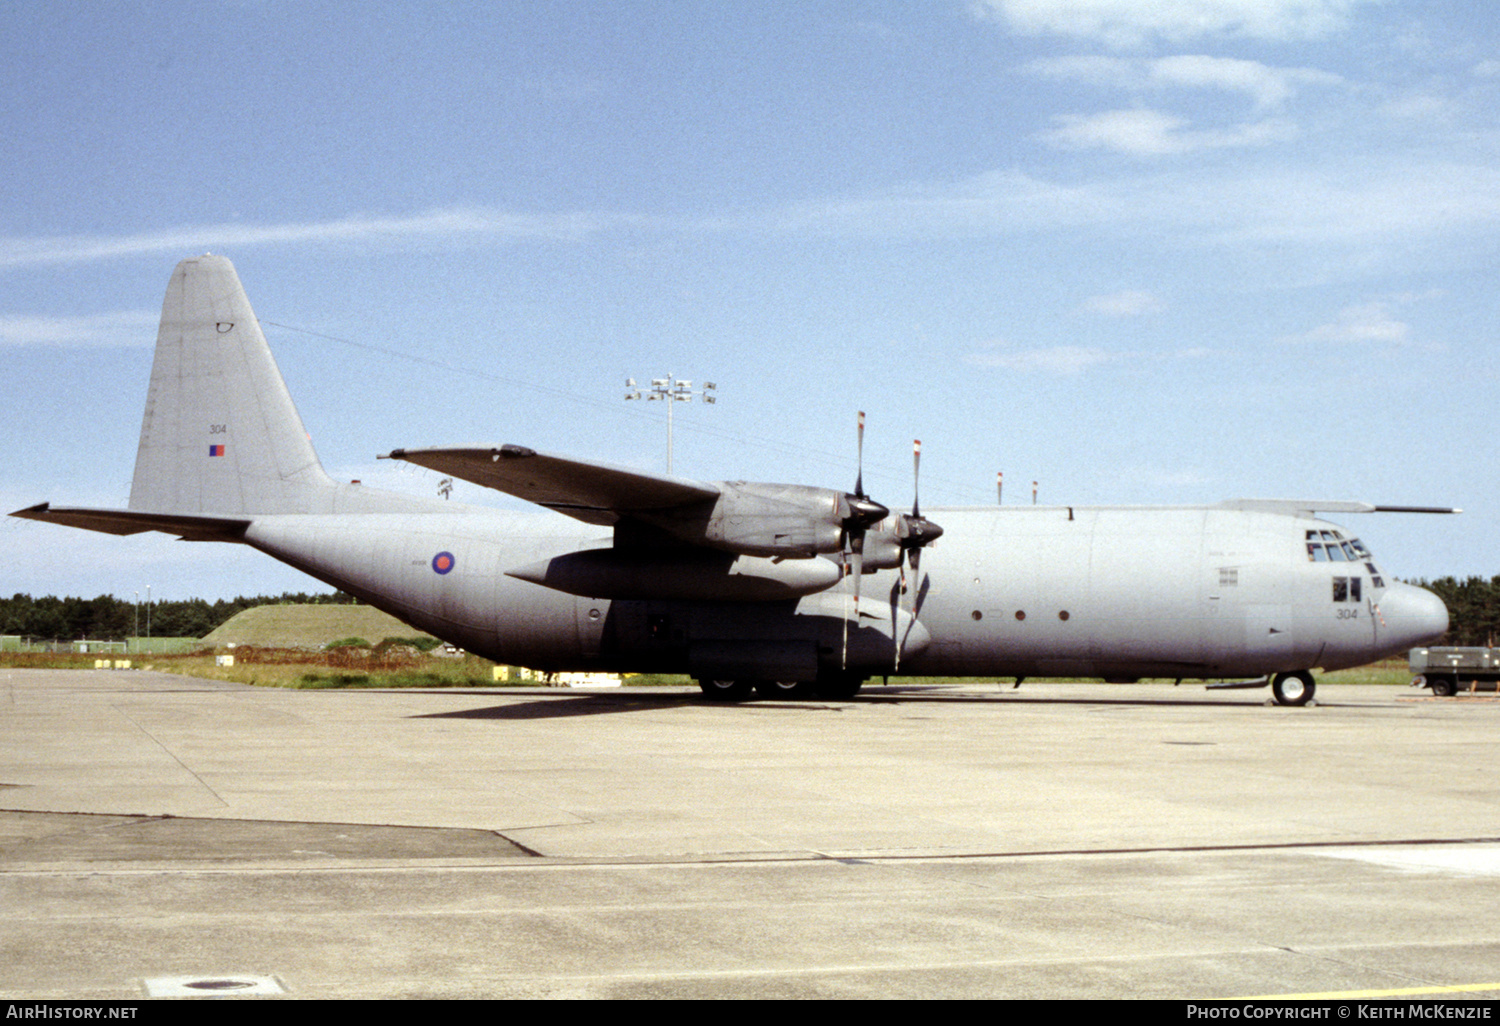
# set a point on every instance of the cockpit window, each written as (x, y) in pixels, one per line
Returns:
(1331, 546)
(1348, 589)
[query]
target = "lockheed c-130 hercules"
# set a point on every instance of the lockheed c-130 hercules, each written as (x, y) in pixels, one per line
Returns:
(775, 589)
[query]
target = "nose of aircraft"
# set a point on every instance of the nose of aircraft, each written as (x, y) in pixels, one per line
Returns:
(1411, 616)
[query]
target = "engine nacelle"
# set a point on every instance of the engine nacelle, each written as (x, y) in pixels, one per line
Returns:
(689, 574)
(787, 521)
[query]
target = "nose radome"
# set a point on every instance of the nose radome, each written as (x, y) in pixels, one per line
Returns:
(1413, 616)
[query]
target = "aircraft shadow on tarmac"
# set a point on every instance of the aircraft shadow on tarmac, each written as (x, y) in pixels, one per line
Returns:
(596, 704)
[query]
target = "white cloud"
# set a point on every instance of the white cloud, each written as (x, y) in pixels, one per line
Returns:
(1362, 323)
(126, 328)
(1153, 133)
(1069, 360)
(1141, 473)
(1129, 303)
(1267, 86)
(453, 222)
(1137, 132)
(1340, 203)
(1056, 360)
(1422, 107)
(1125, 23)
(1095, 69)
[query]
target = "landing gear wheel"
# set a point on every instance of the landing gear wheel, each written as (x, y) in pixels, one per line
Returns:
(839, 685)
(782, 688)
(725, 690)
(1293, 688)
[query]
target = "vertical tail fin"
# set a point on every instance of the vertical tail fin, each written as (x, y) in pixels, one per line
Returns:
(220, 434)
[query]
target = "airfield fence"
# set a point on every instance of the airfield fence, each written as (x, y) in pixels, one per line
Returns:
(86, 646)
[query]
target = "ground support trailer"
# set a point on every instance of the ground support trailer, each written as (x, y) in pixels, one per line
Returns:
(1448, 671)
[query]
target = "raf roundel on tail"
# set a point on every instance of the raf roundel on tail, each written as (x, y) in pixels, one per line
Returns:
(780, 589)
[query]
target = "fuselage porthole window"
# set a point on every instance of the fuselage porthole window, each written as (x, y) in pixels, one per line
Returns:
(1341, 589)
(1355, 589)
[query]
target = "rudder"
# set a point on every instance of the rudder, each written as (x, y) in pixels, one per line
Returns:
(220, 433)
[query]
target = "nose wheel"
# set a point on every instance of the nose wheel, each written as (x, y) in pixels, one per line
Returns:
(1293, 688)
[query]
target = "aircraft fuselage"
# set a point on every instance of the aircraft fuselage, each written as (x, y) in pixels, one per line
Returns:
(1119, 593)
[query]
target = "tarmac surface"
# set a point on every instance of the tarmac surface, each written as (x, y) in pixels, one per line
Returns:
(165, 835)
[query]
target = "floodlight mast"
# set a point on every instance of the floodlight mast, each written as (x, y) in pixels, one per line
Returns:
(671, 391)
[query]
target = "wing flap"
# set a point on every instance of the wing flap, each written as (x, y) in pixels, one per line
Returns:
(596, 493)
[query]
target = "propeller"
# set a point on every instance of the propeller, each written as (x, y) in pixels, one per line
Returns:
(857, 514)
(913, 532)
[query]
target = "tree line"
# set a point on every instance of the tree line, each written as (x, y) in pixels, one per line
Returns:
(108, 618)
(1473, 609)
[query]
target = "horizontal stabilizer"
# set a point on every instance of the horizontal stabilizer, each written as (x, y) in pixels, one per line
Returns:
(595, 493)
(124, 521)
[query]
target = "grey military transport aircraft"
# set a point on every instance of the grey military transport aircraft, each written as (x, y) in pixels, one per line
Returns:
(780, 590)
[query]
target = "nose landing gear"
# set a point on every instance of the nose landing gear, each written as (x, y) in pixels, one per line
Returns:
(1293, 688)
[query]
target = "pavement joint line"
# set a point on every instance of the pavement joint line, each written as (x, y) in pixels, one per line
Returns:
(853, 858)
(1361, 995)
(171, 755)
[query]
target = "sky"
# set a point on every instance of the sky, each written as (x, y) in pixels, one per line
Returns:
(1138, 251)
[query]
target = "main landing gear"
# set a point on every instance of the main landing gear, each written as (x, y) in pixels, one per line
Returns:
(726, 690)
(836, 686)
(1293, 688)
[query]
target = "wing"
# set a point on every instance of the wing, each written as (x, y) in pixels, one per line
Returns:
(1311, 506)
(595, 493)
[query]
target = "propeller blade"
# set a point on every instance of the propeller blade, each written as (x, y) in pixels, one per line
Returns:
(916, 474)
(844, 656)
(859, 568)
(915, 531)
(859, 477)
(853, 553)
